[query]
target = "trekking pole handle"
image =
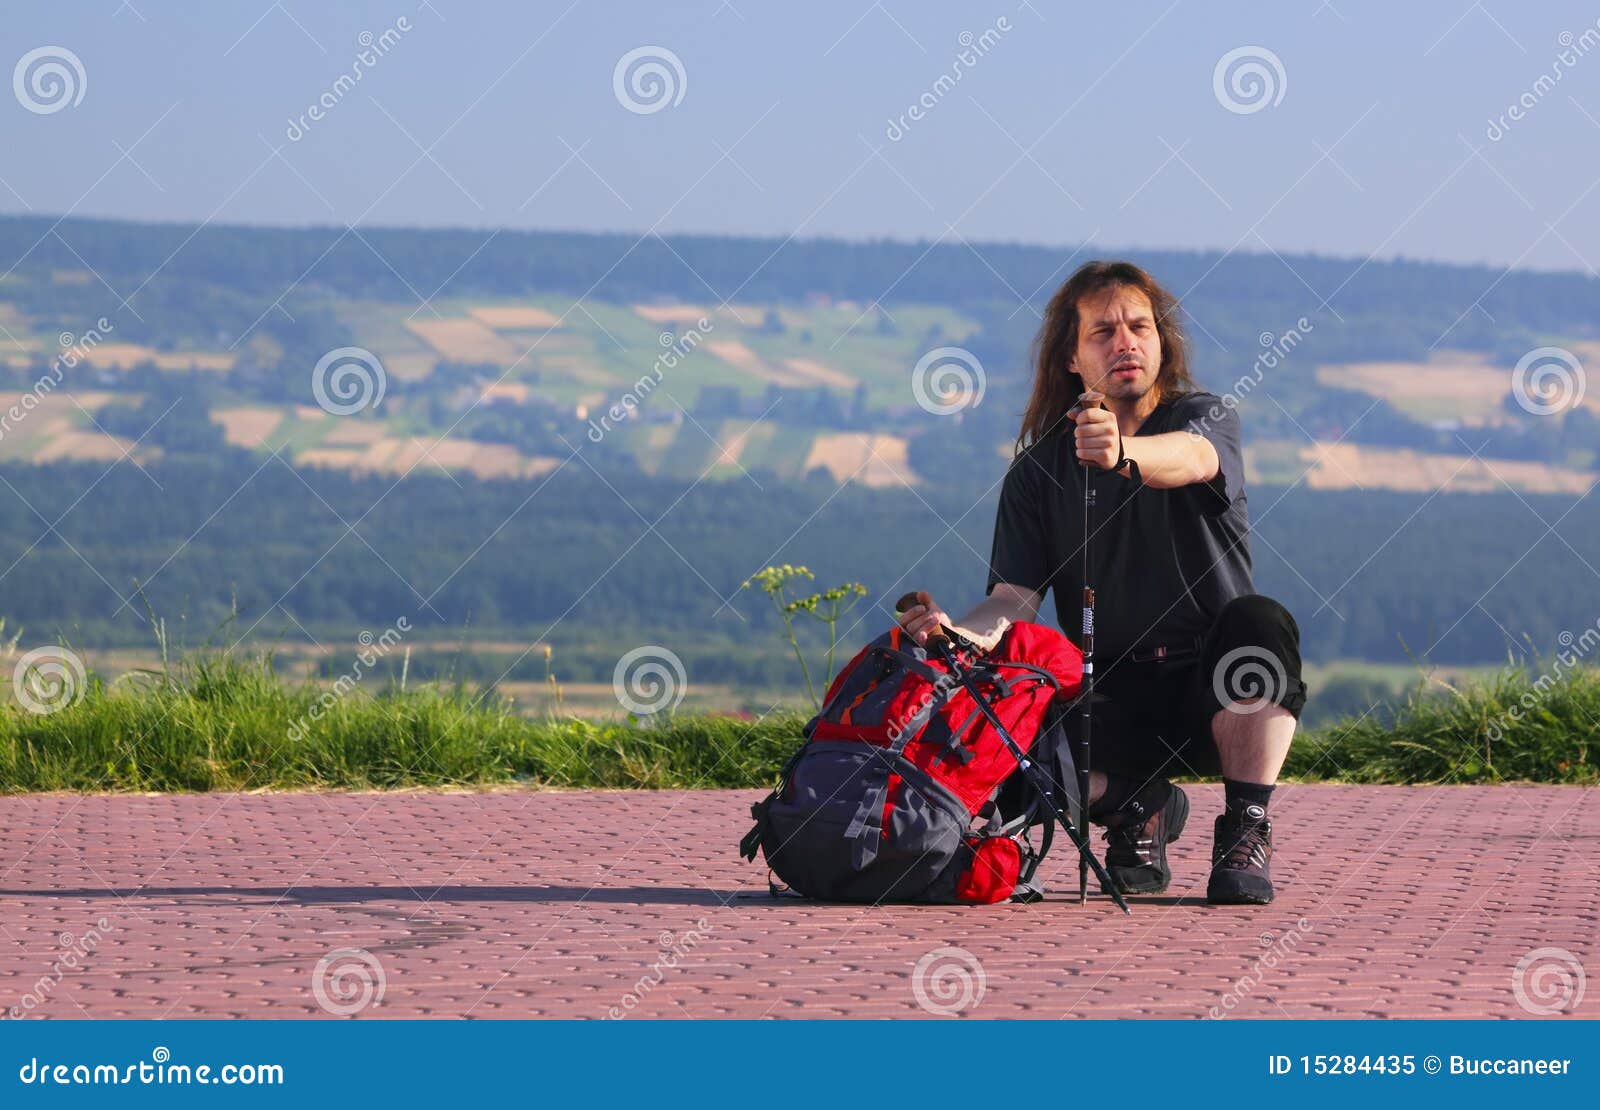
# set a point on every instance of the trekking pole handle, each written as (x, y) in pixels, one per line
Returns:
(1083, 405)
(941, 635)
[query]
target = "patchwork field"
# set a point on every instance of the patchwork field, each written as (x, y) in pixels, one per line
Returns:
(740, 315)
(504, 317)
(1454, 385)
(672, 313)
(465, 339)
(87, 447)
(821, 374)
(1350, 466)
(573, 354)
(871, 459)
(61, 426)
(581, 357)
(125, 356)
(248, 427)
(395, 456)
(747, 362)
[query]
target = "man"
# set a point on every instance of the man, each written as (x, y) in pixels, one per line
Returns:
(1200, 673)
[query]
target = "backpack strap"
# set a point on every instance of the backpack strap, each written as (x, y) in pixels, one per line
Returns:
(1031, 668)
(911, 662)
(978, 666)
(751, 844)
(953, 747)
(866, 827)
(1032, 857)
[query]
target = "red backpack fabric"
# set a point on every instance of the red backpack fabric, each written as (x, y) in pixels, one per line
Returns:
(895, 795)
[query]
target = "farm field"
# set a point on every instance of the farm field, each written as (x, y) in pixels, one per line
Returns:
(754, 387)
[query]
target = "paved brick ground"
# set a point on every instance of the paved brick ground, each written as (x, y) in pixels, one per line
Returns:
(1399, 902)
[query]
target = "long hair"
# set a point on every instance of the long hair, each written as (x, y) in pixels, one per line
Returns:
(1055, 387)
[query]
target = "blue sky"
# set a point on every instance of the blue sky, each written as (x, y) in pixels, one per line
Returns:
(1073, 123)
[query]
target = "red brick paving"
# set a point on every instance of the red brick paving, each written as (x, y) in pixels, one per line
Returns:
(1417, 902)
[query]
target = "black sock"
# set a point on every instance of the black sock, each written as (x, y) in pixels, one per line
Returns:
(1120, 791)
(1241, 794)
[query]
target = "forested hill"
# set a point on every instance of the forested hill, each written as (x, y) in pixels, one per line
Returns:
(1477, 307)
(192, 450)
(1373, 575)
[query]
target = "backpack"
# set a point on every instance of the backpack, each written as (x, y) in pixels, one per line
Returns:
(904, 789)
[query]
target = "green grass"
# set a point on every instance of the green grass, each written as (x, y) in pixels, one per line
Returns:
(1505, 726)
(229, 723)
(225, 723)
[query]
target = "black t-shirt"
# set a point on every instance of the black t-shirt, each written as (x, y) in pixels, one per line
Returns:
(1162, 561)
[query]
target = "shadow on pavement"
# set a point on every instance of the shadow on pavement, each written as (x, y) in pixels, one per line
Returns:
(313, 895)
(600, 895)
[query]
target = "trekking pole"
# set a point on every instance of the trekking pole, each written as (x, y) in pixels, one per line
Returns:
(941, 642)
(1086, 714)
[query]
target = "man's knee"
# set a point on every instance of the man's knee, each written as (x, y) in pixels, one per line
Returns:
(1257, 654)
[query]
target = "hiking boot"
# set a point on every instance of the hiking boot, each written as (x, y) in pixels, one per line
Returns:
(1241, 857)
(1136, 842)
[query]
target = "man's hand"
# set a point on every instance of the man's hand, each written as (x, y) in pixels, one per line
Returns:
(926, 617)
(923, 618)
(1098, 439)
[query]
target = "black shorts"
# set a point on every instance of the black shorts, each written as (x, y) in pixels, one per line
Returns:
(1155, 719)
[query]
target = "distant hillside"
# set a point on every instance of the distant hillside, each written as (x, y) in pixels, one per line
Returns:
(1476, 304)
(732, 357)
(473, 427)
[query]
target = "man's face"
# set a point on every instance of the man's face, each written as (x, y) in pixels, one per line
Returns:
(1119, 348)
